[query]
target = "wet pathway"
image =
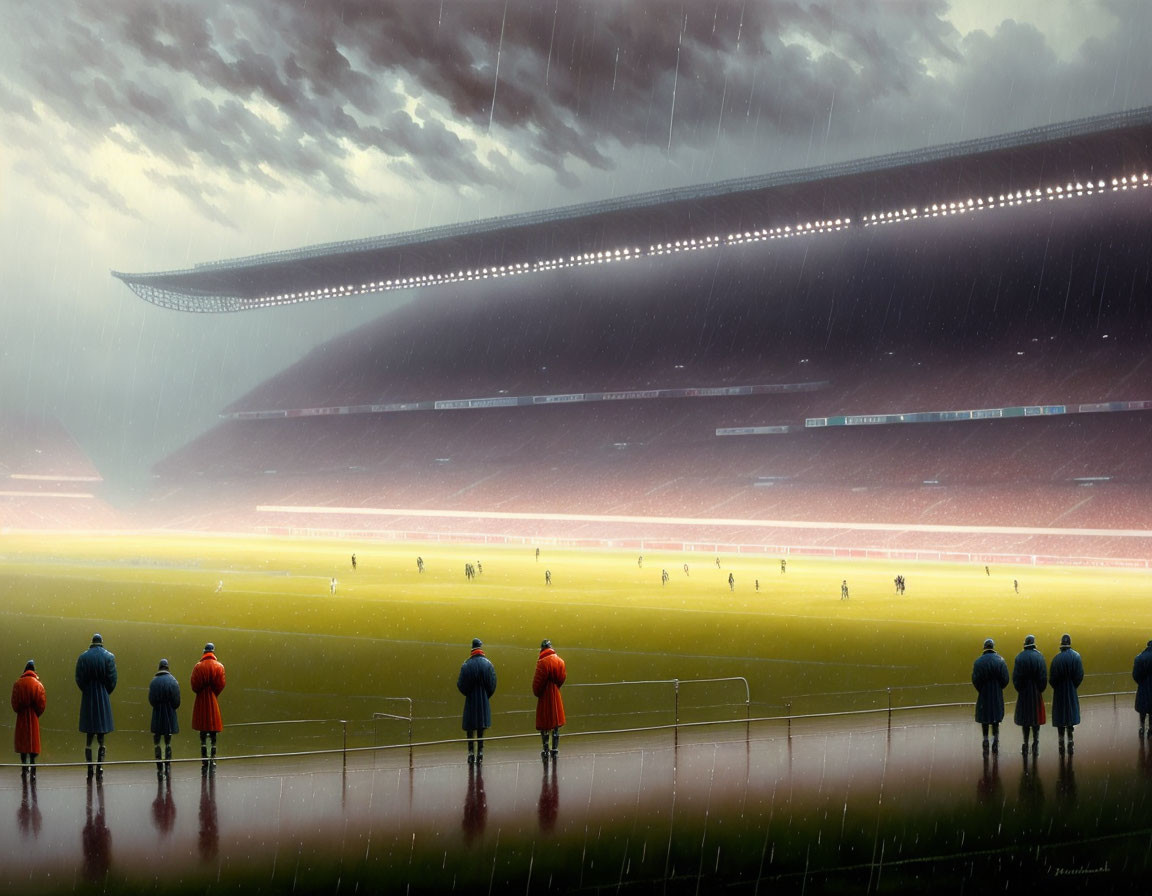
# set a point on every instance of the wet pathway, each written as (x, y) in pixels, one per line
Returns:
(840, 804)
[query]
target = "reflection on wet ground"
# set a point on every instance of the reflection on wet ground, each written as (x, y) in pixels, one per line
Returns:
(838, 805)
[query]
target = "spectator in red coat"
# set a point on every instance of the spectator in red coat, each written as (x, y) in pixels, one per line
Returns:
(546, 683)
(28, 702)
(207, 683)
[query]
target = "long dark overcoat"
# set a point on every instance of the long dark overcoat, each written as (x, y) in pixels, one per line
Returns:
(1065, 675)
(477, 682)
(990, 677)
(1030, 678)
(164, 695)
(96, 678)
(1142, 675)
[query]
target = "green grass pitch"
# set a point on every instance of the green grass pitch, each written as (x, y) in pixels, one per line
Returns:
(293, 650)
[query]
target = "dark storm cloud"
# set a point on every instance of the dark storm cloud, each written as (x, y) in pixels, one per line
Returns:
(278, 94)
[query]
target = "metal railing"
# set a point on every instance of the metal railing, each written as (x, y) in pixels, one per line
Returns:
(377, 716)
(676, 682)
(675, 726)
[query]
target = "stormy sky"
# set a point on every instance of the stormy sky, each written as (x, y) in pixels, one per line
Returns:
(144, 135)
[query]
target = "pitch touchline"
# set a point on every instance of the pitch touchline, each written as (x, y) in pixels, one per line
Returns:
(697, 521)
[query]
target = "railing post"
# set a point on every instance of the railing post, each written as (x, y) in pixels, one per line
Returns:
(344, 725)
(676, 712)
(889, 710)
(788, 711)
(410, 717)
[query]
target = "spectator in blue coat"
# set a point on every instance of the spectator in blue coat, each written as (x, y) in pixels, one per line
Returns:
(1065, 675)
(1142, 675)
(164, 696)
(96, 678)
(477, 682)
(1030, 678)
(990, 678)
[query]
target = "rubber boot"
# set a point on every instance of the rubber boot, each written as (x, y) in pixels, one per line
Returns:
(203, 759)
(100, 762)
(1071, 745)
(159, 764)
(168, 760)
(555, 744)
(212, 761)
(1060, 735)
(88, 759)
(544, 746)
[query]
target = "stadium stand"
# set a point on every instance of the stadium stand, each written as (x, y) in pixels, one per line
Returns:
(1040, 302)
(46, 480)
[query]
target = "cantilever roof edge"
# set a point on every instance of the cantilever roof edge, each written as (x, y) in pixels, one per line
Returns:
(175, 289)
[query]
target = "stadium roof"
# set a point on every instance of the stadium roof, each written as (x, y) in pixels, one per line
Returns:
(1044, 163)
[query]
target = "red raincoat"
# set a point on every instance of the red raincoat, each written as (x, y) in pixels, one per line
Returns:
(550, 675)
(28, 702)
(207, 683)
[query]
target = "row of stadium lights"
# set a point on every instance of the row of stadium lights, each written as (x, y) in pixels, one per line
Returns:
(487, 273)
(940, 209)
(1020, 197)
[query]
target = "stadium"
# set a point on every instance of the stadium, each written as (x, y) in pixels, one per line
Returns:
(939, 351)
(932, 363)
